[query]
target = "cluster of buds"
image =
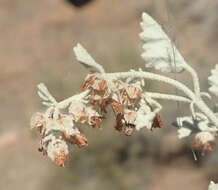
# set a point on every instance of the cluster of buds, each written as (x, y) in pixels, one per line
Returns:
(133, 110)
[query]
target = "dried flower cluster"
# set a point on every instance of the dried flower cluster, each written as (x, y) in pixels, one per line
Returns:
(134, 108)
(131, 108)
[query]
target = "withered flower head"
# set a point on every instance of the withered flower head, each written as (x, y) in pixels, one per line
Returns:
(78, 110)
(37, 120)
(130, 94)
(95, 121)
(117, 107)
(80, 140)
(130, 116)
(57, 150)
(60, 159)
(89, 81)
(157, 122)
(204, 140)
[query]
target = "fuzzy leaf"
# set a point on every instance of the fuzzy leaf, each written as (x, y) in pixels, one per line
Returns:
(213, 186)
(85, 59)
(159, 51)
(187, 125)
(213, 81)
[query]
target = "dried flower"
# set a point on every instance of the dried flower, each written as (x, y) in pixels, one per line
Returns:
(57, 150)
(157, 122)
(204, 140)
(80, 140)
(78, 110)
(130, 94)
(37, 121)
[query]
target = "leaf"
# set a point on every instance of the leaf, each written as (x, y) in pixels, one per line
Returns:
(45, 95)
(85, 59)
(159, 51)
(213, 186)
(187, 125)
(213, 81)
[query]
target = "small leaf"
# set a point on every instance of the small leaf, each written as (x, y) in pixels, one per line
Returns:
(85, 59)
(213, 81)
(159, 51)
(213, 186)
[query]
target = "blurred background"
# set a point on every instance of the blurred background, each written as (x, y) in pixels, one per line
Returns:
(36, 41)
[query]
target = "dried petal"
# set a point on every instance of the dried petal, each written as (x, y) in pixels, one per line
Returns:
(133, 91)
(95, 121)
(119, 122)
(130, 116)
(117, 107)
(80, 140)
(60, 159)
(128, 131)
(157, 122)
(79, 112)
(57, 151)
(89, 81)
(37, 120)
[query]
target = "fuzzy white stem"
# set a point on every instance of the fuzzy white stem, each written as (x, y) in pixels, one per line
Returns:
(152, 76)
(168, 97)
(63, 104)
(194, 78)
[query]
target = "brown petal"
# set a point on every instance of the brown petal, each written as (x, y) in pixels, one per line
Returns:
(80, 140)
(96, 121)
(128, 131)
(88, 82)
(60, 159)
(117, 107)
(157, 122)
(119, 122)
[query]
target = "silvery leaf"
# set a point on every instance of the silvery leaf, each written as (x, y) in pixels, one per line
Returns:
(84, 58)
(159, 51)
(213, 186)
(184, 132)
(187, 125)
(213, 81)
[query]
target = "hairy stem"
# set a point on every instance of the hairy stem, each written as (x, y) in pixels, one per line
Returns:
(155, 95)
(63, 104)
(194, 78)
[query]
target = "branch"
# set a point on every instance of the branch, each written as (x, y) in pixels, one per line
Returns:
(194, 78)
(63, 104)
(168, 97)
